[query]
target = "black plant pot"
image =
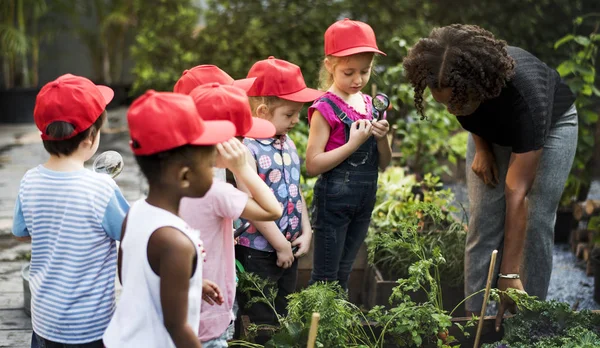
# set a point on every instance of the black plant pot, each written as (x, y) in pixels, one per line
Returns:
(563, 226)
(16, 105)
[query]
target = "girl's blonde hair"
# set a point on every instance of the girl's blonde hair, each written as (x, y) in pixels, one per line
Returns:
(326, 78)
(271, 102)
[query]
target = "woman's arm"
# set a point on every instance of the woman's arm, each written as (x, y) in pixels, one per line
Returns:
(317, 160)
(519, 179)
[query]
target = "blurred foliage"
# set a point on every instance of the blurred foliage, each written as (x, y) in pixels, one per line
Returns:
(164, 45)
(580, 73)
(237, 33)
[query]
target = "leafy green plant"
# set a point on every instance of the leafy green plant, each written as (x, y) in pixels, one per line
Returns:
(408, 227)
(548, 324)
(163, 48)
(579, 71)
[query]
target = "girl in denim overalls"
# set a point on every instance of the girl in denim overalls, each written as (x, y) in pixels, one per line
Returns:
(347, 148)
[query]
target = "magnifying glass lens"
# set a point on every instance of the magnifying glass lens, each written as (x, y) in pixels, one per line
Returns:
(108, 162)
(381, 102)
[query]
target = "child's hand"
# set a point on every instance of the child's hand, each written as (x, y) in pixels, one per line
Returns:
(380, 129)
(231, 154)
(285, 256)
(303, 244)
(360, 131)
(211, 293)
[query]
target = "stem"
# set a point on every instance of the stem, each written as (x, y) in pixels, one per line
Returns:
(466, 298)
(21, 25)
(244, 344)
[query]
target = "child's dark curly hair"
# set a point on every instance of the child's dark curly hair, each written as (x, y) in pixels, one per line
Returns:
(467, 58)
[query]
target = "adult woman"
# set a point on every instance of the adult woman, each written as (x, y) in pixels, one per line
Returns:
(523, 127)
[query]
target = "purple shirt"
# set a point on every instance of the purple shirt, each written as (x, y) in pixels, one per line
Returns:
(337, 136)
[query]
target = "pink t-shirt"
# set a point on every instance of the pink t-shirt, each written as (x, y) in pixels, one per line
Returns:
(213, 216)
(337, 136)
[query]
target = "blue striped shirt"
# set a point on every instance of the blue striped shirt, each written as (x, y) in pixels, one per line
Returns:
(73, 219)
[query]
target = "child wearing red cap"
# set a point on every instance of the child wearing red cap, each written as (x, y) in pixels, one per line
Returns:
(346, 147)
(277, 95)
(72, 216)
(213, 214)
(160, 256)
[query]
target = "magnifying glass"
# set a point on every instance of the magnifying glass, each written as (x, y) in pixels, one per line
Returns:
(381, 102)
(238, 231)
(108, 162)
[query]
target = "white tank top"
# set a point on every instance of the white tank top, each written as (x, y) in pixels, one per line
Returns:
(138, 319)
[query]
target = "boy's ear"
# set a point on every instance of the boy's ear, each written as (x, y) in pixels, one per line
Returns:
(262, 111)
(182, 177)
(88, 142)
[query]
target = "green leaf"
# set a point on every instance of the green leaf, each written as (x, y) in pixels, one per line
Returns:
(563, 40)
(566, 68)
(596, 91)
(582, 40)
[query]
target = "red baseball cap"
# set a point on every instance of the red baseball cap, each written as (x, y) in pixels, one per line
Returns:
(161, 121)
(203, 74)
(279, 78)
(347, 37)
(72, 99)
(222, 102)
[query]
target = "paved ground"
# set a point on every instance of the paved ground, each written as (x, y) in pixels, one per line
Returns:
(21, 149)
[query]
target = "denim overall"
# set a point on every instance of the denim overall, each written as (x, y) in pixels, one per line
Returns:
(344, 198)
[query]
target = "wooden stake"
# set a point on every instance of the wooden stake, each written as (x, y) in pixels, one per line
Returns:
(312, 334)
(488, 287)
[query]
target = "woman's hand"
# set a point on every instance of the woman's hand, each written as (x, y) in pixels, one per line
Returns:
(484, 165)
(506, 303)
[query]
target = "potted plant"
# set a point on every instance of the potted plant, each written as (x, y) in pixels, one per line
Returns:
(407, 228)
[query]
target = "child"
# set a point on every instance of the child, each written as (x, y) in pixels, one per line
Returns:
(277, 95)
(213, 214)
(160, 259)
(203, 74)
(72, 217)
(345, 146)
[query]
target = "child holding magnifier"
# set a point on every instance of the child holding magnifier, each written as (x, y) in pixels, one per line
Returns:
(346, 146)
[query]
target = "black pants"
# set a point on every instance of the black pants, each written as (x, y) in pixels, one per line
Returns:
(264, 264)
(38, 341)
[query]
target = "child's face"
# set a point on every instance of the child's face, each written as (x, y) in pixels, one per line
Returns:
(199, 174)
(351, 74)
(284, 116)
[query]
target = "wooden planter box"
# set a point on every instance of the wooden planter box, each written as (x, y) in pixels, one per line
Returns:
(488, 333)
(355, 286)
(377, 291)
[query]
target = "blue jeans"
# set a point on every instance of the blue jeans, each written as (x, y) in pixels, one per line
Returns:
(342, 207)
(38, 341)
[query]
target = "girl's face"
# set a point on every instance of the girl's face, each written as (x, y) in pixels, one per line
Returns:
(284, 116)
(199, 174)
(350, 74)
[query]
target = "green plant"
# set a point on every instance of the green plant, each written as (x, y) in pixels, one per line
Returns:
(25, 24)
(408, 227)
(579, 71)
(164, 45)
(548, 324)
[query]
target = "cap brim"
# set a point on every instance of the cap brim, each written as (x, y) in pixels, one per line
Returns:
(244, 84)
(303, 96)
(107, 93)
(260, 129)
(215, 132)
(356, 50)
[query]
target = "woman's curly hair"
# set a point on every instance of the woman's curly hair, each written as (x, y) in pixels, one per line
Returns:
(467, 58)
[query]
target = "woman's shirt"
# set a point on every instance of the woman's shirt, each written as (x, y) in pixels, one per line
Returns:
(527, 107)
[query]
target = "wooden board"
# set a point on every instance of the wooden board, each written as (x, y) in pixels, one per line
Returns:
(15, 338)
(14, 319)
(11, 300)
